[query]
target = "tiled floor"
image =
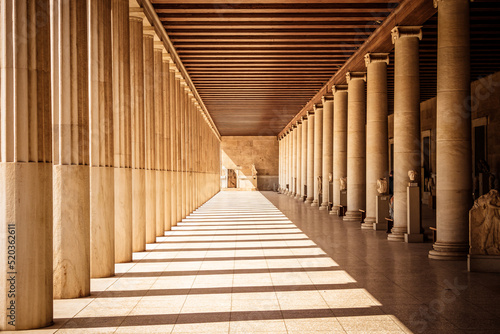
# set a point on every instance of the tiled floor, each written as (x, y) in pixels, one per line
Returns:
(239, 265)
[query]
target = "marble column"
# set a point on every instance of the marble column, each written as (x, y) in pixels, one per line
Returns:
(406, 120)
(102, 213)
(173, 148)
(178, 193)
(339, 141)
(71, 171)
(25, 165)
(303, 160)
(298, 149)
(310, 157)
(138, 136)
(159, 143)
(167, 223)
(376, 130)
(453, 132)
(287, 161)
(356, 144)
(149, 114)
(122, 130)
(327, 168)
(318, 152)
(280, 165)
(294, 160)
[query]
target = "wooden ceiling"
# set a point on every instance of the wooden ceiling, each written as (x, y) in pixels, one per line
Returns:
(257, 63)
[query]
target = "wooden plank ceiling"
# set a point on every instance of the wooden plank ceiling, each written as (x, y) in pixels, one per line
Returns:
(257, 63)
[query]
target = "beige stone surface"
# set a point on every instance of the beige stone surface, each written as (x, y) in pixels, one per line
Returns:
(262, 151)
(303, 168)
(327, 153)
(298, 148)
(318, 152)
(123, 214)
(484, 225)
(339, 140)
(310, 157)
(71, 191)
(356, 146)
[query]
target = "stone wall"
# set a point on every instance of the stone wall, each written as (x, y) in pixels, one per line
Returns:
(243, 151)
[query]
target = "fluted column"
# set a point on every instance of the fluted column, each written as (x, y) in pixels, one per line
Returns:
(166, 60)
(70, 121)
(287, 161)
(138, 137)
(293, 155)
(303, 162)
(159, 143)
(339, 141)
(298, 167)
(318, 152)
(102, 212)
(327, 168)
(406, 120)
(280, 164)
(122, 129)
(25, 165)
(173, 148)
(310, 157)
(453, 131)
(178, 162)
(149, 114)
(356, 144)
(376, 130)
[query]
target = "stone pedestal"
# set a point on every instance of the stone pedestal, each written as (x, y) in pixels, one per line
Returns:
(483, 263)
(381, 212)
(413, 214)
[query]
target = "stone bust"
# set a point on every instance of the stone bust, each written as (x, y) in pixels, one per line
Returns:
(254, 170)
(412, 175)
(343, 183)
(382, 186)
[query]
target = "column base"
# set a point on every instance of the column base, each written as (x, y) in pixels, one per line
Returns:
(353, 216)
(297, 196)
(315, 203)
(397, 234)
(323, 206)
(308, 200)
(414, 238)
(449, 251)
(483, 263)
(368, 224)
(334, 210)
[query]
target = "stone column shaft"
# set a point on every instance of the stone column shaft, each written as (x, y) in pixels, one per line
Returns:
(339, 140)
(376, 130)
(70, 121)
(293, 156)
(138, 137)
(327, 168)
(303, 168)
(453, 131)
(406, 120)
(167, 223)
(298, 149)
(26, 211)
(318, 152)
(102, 213)
(149, 112)
(159, 143)
(356, 146)
(122, 130)
(173, 148)
(310, 157)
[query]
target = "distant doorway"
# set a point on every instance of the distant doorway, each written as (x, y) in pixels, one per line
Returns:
(231, 178)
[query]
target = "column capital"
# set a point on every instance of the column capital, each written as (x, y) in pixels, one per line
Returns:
(376, 58)
(149, 31)
(355, 75)
(299, 121)
(137, 13)
(406, 31)
(327, 98)
(158, 44)
(339, 88)
(318, 106)
(294, 126)
(310, 112)
(303, 118)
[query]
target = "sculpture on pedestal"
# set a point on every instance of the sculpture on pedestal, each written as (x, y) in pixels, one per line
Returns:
(382, 186)
(343, 183)
(254, 171)
(484, 221)
(412, 175)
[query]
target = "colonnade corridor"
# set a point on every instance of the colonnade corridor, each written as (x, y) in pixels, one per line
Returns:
(250, 262)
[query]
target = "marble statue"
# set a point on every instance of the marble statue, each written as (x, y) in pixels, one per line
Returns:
(382, 186)
(412, 174)
(484, 221)
(343, 183)
(320, 185)
(254, 170)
